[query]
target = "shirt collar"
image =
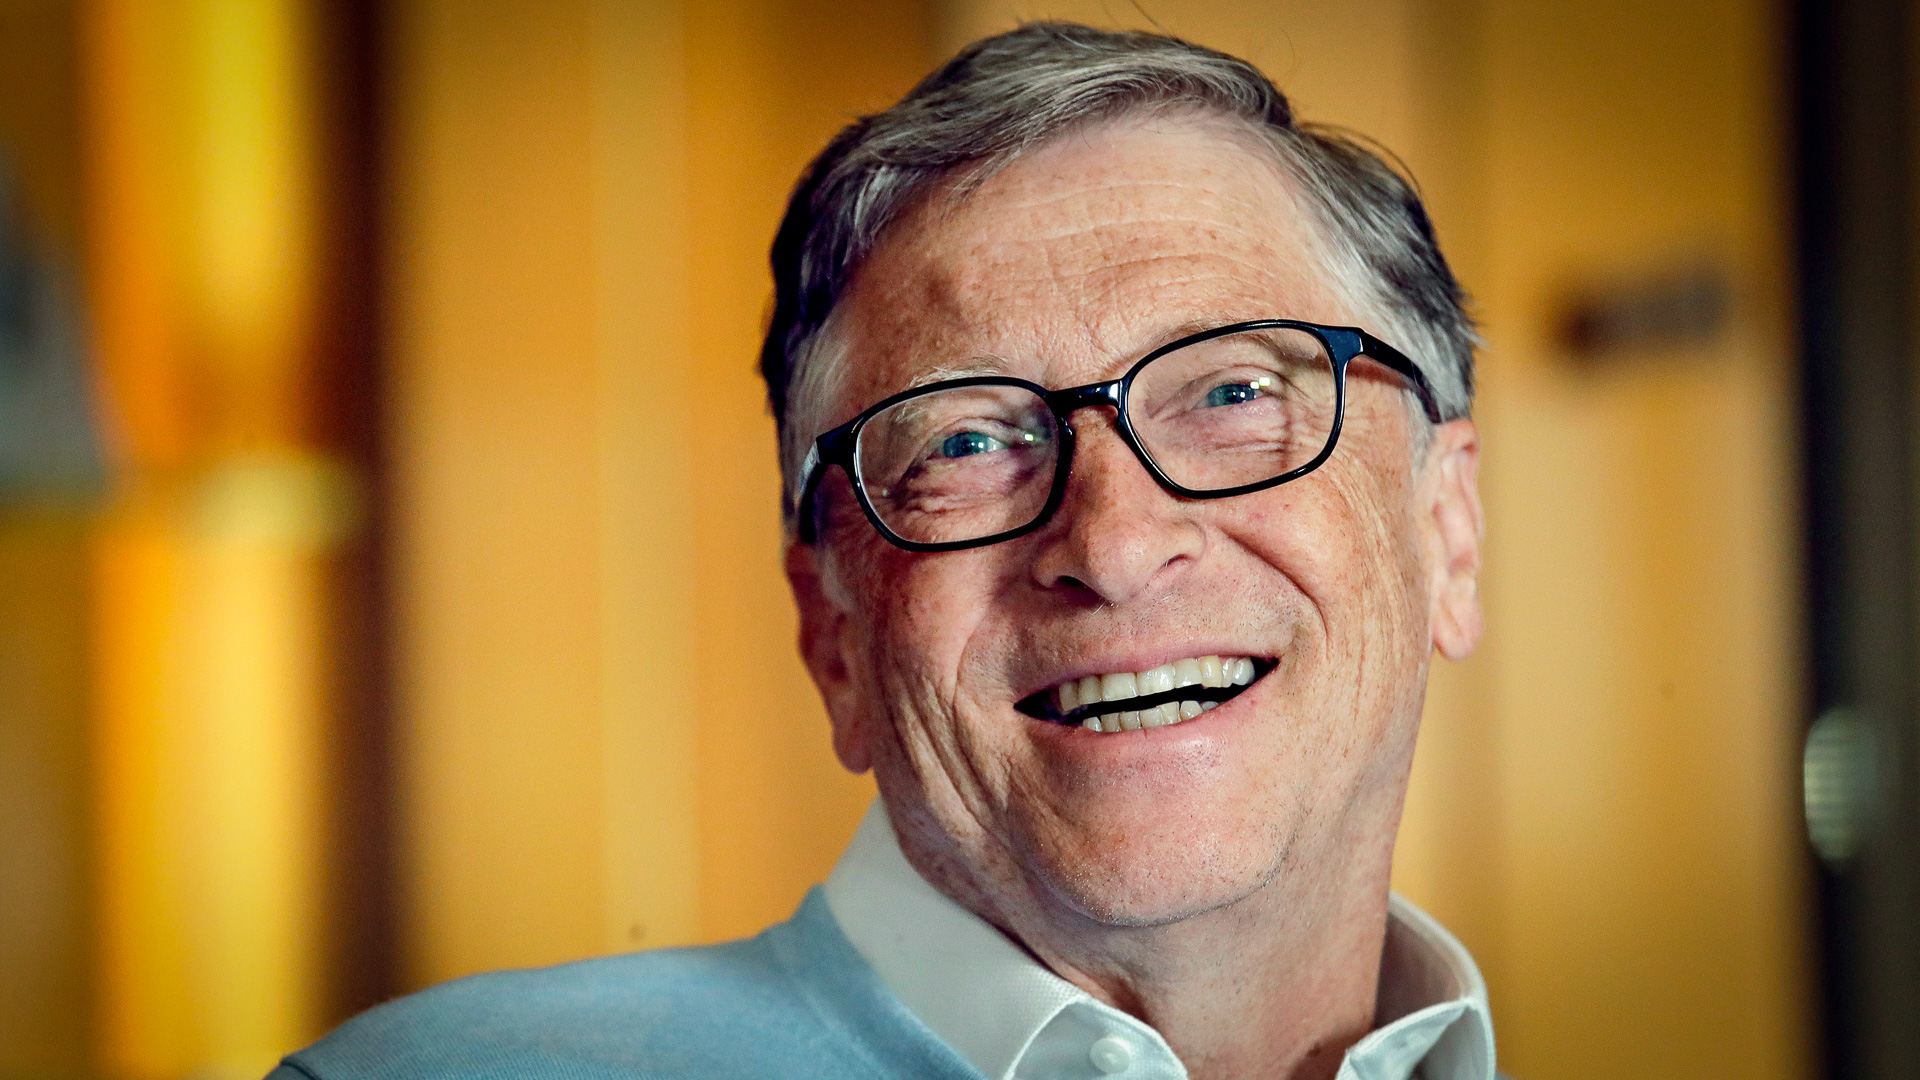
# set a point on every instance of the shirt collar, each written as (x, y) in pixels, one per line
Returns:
(1012, 1018)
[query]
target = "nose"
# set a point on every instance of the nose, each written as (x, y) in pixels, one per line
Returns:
(1118, 535)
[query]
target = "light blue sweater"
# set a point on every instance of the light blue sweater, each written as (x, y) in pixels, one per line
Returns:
(796, 1001)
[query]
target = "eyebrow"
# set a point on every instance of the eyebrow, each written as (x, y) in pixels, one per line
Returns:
(982, 365)
(1191, 326)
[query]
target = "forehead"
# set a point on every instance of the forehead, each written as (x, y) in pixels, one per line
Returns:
(1078, 258)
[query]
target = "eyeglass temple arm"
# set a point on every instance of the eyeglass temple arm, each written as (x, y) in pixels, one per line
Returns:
(801, 509)
(1393, 358)
(827, 450)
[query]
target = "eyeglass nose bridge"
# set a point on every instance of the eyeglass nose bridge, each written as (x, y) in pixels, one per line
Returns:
(1065, 403)
(1113, 395)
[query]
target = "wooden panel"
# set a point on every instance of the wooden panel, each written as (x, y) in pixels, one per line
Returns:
(43, 792)
(211, 600)
(770, 83)
(1641, 572)
(496, 487)
(611, 743)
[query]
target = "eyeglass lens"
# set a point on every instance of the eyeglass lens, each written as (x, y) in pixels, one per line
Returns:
(964, 463)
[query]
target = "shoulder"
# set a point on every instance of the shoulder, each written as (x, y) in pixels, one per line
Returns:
(744, 1008)
(668, 1012)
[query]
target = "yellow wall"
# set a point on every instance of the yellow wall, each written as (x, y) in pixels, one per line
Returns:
(770, 83)
(498, 493)
(1644, 658)
(610, 742)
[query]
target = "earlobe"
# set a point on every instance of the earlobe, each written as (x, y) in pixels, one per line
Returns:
(823, 629)
(1456, 527)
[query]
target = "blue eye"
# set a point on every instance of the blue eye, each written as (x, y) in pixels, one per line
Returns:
(1231, 394)
(969, 443)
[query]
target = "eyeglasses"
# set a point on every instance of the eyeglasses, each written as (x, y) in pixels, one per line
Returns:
(973, 461)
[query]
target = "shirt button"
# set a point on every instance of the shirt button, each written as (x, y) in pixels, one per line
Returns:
(1111, 1055)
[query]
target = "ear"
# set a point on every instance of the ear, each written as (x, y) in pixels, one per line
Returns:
(1454, 526)
(825, 646)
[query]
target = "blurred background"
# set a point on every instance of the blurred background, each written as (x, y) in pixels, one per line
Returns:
(388, 524)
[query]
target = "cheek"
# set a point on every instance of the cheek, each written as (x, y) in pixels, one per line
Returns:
(1344, 538)
(921, 620)
(932, 687)
(1345, 534)
(1329, 535)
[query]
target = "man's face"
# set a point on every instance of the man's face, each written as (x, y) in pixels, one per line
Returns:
(1064, 269)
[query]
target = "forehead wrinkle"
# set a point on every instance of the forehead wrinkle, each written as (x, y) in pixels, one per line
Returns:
(986, 286)
(1134, 230)
(1214, 250)
(1255, 156)
(1089, 331)
(982, 261)
(1225, 233)
(1195, 216)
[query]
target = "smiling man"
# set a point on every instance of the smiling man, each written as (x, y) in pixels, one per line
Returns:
(1130, 492)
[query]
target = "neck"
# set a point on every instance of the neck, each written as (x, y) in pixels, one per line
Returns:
(1277, 983)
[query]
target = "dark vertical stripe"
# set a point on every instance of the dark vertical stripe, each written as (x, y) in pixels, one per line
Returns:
(1856, 289)
(350, 393)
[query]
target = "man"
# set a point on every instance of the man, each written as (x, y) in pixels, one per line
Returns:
(1130, 490)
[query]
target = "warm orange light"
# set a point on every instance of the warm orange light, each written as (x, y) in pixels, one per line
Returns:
(209, 565)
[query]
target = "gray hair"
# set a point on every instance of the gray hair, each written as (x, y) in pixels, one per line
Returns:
(1006, 95)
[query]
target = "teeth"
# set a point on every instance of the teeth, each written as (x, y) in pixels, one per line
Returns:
(1090, 690)
(1121, 685)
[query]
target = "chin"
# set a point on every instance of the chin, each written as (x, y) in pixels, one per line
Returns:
(1175, 868)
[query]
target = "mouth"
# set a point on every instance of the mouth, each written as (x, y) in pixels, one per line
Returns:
(1128, 700)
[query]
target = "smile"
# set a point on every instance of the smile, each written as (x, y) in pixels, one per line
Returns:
(1128, 701)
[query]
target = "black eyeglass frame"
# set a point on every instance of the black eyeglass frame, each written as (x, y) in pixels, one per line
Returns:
(1343, 344)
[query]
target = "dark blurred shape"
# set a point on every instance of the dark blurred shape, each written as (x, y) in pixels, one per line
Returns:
(48, 436)
(363, 944)
(50, 473)
(1854, 75)
(1667, 308)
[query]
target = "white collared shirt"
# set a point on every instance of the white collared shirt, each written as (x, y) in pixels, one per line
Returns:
(1013, 1019)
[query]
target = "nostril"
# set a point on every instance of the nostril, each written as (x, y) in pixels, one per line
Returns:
(1079, 592)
